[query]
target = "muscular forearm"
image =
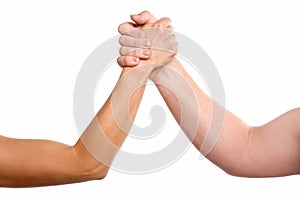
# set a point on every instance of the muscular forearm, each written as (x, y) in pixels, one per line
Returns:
(239, 149)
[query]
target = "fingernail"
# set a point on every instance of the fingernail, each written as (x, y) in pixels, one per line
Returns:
(135, 60)
(146, 53)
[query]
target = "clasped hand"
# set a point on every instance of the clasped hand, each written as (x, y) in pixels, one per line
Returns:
(147, 42)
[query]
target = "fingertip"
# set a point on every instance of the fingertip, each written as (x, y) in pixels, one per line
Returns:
(145, 12)
(119, 61)
(128, 61)
(135, 60)
(125, 27)
(167, 20)
(143, 18)
(137, 18)
(146, 53)
(147, 17)
(132, 61)
(164, 22)
(134, 16)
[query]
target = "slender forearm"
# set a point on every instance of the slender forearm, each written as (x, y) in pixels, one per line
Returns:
(31, 163)
(109, 128)
(239, 149)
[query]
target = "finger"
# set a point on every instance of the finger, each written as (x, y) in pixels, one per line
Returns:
(129, 41)
(135, 52)
(144, 17)
(128, 61)
(164, 22)
(128, 28)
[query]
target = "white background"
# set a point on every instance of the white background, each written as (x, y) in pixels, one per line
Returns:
(254, 44)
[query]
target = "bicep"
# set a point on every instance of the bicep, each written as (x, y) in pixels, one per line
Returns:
(276, 145)
(33, 162)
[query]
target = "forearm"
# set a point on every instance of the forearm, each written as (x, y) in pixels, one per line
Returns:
(31, 163)
(237, 146)
(217, 133)
(182, 94)
(108, 130)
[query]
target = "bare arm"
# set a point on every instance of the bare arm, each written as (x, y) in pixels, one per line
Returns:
(269, 150)
(31, 163)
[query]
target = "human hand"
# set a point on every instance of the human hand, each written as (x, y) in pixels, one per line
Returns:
(148, 42)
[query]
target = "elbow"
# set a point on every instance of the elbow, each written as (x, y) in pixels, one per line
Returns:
(254, 173)
(240, 173)
(94, 169)
(87, 167)
(100, 172)
(243, 167)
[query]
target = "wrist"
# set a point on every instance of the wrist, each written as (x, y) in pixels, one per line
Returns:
(140, 71)
(156, 73)
(149, 65)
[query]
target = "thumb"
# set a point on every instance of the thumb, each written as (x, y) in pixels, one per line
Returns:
(143, 18)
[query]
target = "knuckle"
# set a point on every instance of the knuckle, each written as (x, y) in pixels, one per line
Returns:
(122, 51)
(119, 61)
(125, 40)
(175, 48)
(127, 51)
(156, 24)
(121, 27)
(126, 28)
(139, 53)
(146, 12)
(121, 40)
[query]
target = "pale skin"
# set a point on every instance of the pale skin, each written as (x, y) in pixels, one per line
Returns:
(32, 163)
(270, 150)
